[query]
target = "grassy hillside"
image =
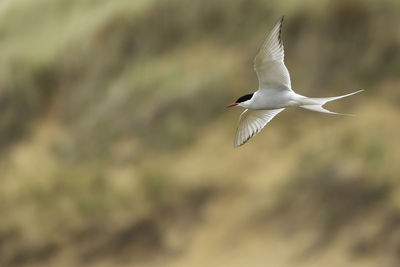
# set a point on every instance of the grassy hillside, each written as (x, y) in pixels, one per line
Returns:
(116, 149)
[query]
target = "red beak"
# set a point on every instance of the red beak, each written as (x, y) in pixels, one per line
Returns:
(231, 105)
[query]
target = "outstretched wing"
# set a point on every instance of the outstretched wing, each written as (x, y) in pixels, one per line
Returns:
(251, 122)
(268, 64)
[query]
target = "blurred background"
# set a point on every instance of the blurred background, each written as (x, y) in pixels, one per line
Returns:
(116, 148)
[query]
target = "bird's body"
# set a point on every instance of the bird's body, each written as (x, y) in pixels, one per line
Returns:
(274, 93)
(273, 99)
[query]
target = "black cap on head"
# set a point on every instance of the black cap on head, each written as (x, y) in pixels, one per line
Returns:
(244, 98)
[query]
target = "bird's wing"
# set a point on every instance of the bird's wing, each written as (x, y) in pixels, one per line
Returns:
(251, 122)
(268, 64)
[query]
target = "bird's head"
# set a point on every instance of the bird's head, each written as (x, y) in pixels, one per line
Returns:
(242, 101)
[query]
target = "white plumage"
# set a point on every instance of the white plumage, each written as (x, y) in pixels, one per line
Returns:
(274, 92)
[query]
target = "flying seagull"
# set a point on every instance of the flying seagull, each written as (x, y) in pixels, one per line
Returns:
(274, 91)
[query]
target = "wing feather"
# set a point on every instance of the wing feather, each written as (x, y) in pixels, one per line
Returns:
(269, 62)
(251, 122)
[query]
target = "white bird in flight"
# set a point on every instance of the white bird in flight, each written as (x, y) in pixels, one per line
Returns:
(274, 91)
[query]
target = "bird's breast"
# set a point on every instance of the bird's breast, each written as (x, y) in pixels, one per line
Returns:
(272, 99)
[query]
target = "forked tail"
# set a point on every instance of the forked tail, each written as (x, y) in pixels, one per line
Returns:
(315, 104)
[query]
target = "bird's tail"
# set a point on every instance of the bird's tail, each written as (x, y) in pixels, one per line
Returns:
(315, 104)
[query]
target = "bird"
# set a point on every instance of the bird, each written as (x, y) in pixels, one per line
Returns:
(274, 92)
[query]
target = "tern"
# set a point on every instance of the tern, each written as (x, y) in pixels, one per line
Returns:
(274, 92)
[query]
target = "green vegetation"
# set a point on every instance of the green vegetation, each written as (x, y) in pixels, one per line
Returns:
(115, 148)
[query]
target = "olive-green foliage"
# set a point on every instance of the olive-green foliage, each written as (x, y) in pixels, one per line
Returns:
(113, 135)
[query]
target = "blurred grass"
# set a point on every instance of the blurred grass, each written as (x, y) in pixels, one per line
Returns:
(115, 147)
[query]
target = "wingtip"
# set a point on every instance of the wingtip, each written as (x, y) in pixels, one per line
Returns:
(281, 20)
(280, 31)
(236, 145)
